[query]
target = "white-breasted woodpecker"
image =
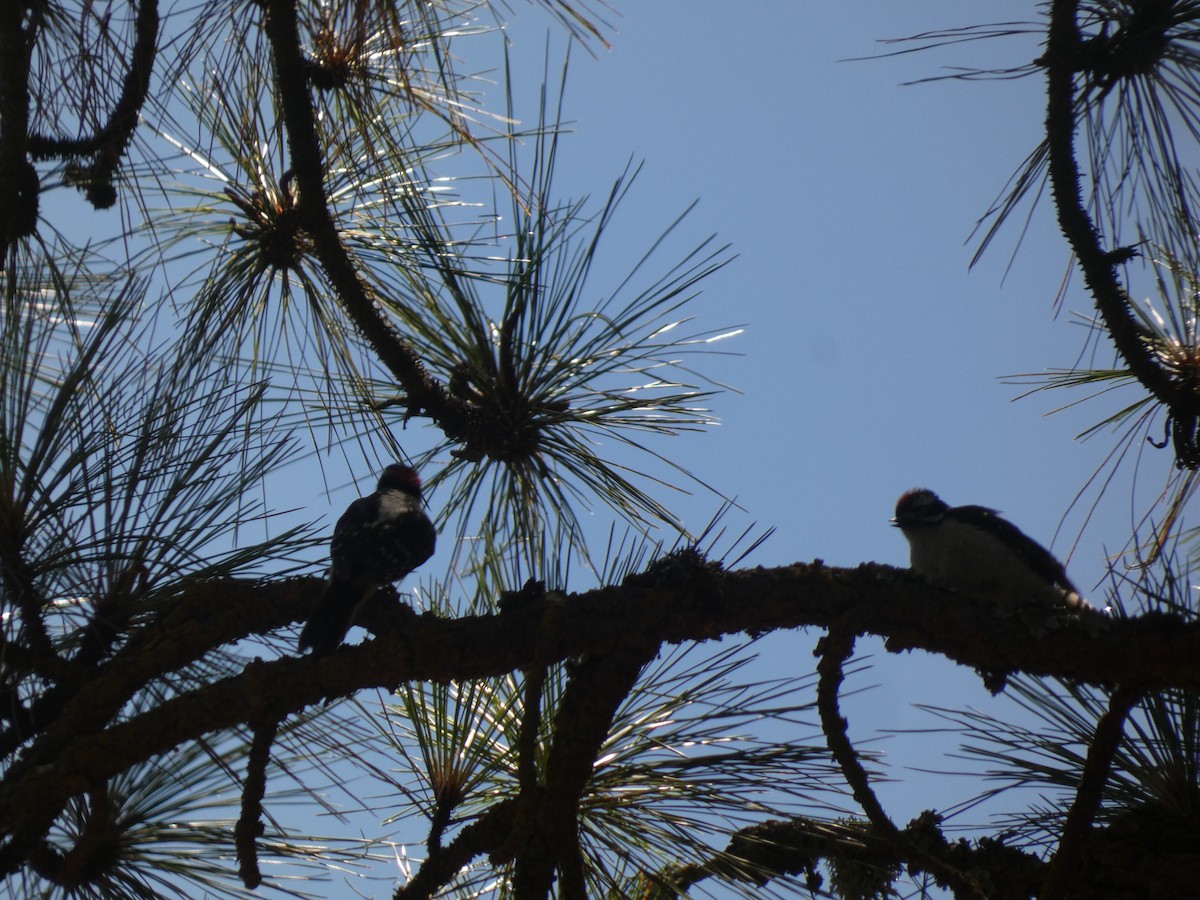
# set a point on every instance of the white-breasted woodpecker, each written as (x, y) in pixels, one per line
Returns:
(378, 540)
(974, 549)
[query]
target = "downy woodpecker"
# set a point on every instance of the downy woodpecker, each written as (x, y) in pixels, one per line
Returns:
(378, 540)
(974, 549)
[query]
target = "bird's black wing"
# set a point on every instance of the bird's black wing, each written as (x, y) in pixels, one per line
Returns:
(349, 548)
(407, 542)
(1040, 559)
(380, 540)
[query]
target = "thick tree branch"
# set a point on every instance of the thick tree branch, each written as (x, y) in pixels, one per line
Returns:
(531, 723)
(550, 838)
(769, 850)
(1149, 652)
(87, 696)
(19, 186)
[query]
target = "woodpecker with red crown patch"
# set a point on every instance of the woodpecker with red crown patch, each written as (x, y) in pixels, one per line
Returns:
(378, 540)
(975, 549)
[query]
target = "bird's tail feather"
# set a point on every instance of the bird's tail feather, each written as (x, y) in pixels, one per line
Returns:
(332, 618)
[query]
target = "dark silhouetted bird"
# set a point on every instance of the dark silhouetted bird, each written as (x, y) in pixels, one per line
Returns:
(975, 549)
(378, 540)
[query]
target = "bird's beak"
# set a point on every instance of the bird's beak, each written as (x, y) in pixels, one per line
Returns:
(893, 523)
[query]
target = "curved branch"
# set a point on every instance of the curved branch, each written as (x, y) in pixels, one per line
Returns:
(1096, 768)
(482, 836)
(94, 846)
(109, 142)
(424, 393)
(249, 825)
(834, 649)
(111, 139)
(1062, 60)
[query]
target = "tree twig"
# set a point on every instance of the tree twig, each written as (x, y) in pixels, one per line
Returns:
(835, 648)
(480, 837)
(249, 825)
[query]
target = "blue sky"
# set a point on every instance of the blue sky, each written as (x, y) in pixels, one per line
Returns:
(873, 359)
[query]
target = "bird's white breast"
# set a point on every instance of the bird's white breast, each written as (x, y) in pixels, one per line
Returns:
(970, 559)
(392, 504)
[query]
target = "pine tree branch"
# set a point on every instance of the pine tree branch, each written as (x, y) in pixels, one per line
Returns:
(1096, 768)
(19, 184)
(1147, 652)
(769, 850)
(424, 393)
(26, 845)
(108, 144)
(481, 837)
(1062, 61)
(550, 839)
(88, 696)
(96, 844)
(835, 648)
(249, 825)
(110, 140)
(20, 588)
(531, 722)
